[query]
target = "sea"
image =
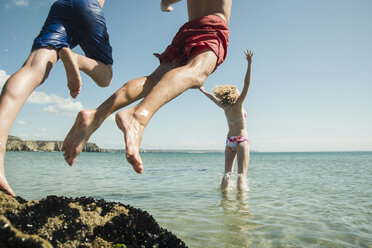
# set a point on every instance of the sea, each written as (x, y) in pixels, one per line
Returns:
(311, 199)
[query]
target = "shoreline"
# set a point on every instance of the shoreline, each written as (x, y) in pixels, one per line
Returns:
(16, 144)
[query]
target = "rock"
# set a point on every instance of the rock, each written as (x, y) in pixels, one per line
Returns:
(16, 144)
(12, 237)
(78, 222)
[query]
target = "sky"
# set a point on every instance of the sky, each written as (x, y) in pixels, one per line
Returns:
(311, 84)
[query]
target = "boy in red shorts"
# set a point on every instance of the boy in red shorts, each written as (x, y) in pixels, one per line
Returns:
(69, 23)
(195, 52)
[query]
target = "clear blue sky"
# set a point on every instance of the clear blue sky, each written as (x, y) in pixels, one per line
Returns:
(311, 85)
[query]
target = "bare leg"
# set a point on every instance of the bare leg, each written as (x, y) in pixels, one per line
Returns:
(243, 160)
(132, 134)
(16, 91)
(73, 62)
(98, 71)
(229, 168)
(172, 84)
(72, 71)
(88, 121)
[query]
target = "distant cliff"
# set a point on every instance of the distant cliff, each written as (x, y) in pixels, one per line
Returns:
(16, 144)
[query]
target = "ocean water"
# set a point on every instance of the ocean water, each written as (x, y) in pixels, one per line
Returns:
(295, 199)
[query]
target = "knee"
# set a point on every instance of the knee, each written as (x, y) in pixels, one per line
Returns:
(105, 83)
(39, 64)
(128, 91)
(199, 77)
(23, 81)
(199, 73)
(107, 78)
(40, 73)
(201, 67)
(6, 90)
(11, 91)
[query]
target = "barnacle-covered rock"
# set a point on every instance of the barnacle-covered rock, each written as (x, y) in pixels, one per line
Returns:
(78, 222)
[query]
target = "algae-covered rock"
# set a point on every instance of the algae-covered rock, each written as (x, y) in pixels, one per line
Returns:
(78, 222)
(16, 144)
(12, 237)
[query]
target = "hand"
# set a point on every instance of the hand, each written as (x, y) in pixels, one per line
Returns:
(165, 8)
(248, 56)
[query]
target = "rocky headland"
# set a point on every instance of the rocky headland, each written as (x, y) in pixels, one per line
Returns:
(16, 144)
(78, 223)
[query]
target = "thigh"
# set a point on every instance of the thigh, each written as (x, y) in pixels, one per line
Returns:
(140, 87)
(229, 159)
(33, 72)
(204, 62)
(41, 60)
(153, 79)
(243, 156)
(161, 70)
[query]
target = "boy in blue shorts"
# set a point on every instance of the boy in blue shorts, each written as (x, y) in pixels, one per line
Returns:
(69, 23)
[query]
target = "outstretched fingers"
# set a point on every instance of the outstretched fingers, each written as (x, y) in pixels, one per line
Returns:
(248, 55)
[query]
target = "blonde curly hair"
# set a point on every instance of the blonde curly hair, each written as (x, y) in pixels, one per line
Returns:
(227, 93)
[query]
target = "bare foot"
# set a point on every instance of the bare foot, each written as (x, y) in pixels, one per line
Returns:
(5, 185)
(3, 182)
(78, 135)
(242, 183)
(225, 183)
(165, 8)
(70, 63)
(132, 130)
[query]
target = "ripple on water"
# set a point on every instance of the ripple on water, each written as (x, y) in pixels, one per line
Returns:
(295, 199)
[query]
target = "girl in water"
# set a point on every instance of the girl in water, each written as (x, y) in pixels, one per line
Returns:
(228, 98)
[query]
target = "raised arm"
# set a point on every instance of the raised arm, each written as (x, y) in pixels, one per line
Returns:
(210, 96)
(165, 5)
(247, 79)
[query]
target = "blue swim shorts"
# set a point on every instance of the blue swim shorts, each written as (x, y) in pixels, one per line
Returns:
(77, 22)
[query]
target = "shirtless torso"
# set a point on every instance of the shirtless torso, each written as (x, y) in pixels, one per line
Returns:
(198, 8)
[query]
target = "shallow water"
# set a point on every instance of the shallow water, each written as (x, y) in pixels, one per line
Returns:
(295, 199)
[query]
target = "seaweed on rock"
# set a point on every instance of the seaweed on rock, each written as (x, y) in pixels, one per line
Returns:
(78, 222)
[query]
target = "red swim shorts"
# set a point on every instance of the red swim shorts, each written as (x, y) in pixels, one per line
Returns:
(204, 33)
